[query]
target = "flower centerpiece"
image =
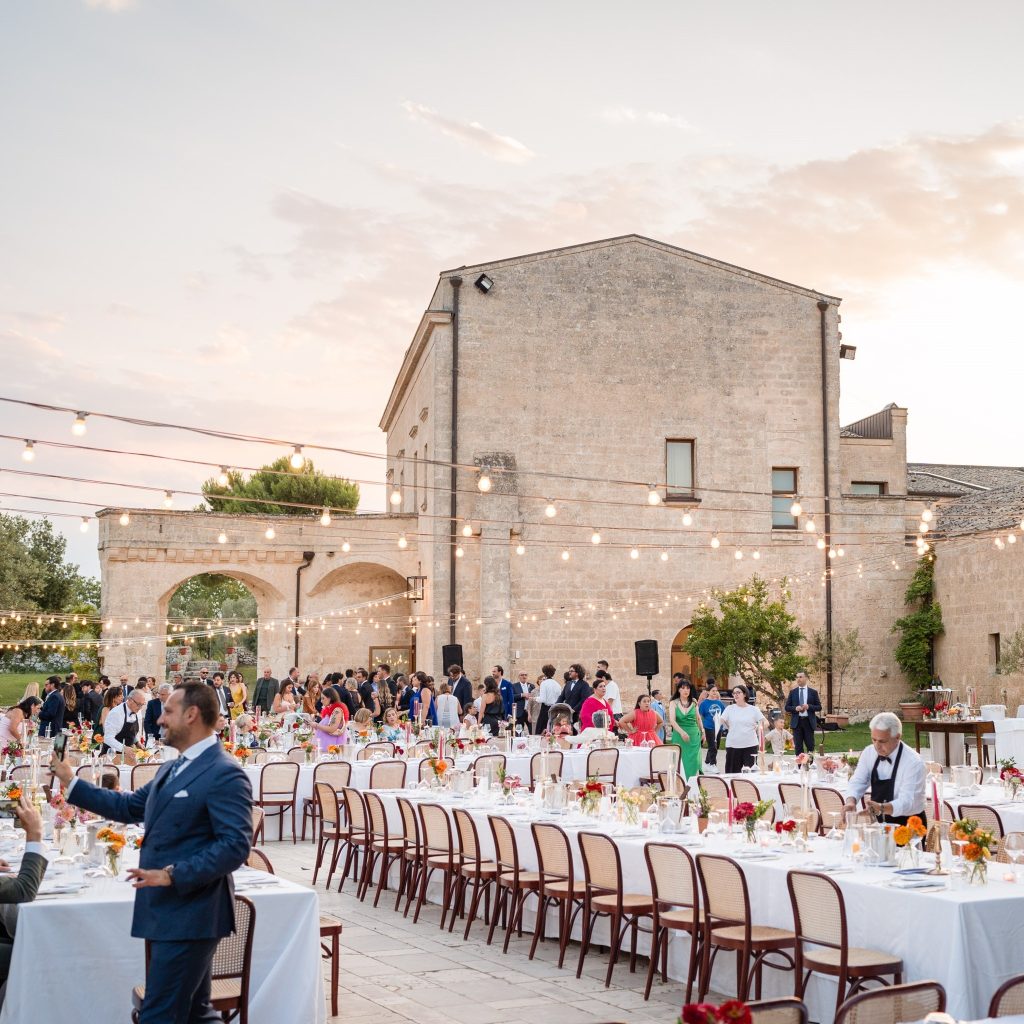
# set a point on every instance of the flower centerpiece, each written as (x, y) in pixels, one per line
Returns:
(243, 754)
(785, 829)
(115, 844)
(704, 808)
(10, 794)
(748, 815)
(977, 850)
(14, 750)
(907, 837)
(86, 740)
(804, 760)
(939, 711)
(589, 796)
(732, 1011)
(439, 766)
(829, 766)
(333, 749)
(508, 783)
(1011, 777)
(851, 761)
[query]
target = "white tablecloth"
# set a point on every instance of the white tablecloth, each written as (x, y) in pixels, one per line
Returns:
(75, 960)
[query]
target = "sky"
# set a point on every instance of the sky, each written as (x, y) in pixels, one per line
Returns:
(232, 213)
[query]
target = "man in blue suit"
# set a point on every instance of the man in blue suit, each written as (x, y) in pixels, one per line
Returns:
(51, 714)
(803, 705)
(155, 710)
(197, 814)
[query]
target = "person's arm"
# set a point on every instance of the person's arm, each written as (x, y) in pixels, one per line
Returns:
(790, 706)
(129, 808)
(626, 721)
(858, 784)
(909, 792)
(275, 707)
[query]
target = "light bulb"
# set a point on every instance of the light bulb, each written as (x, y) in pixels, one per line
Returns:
(269, 533)
(831, 552)
(756, 556)
(222, 477)
(29, 452)
(842, 552)
(550, 511)
(325, 517)
(222, 538)
(467, 529)
(84, 525)
(664, 556)
(796, 509)
(78, 427)
(396, 497)
(459, 552)
(738, 555)
(483, 482)
(634, 554)
(821, 543)
(715, 542)
(125, 519)
(687, 519)
(810, 526)
(926, 515)
(298, 460)
(346, 547)
(923, 527)
(653, 497)
(595, 538)
(402, 542)
(520, 549)
(1012, 538)
(168, 499)
(565, 555)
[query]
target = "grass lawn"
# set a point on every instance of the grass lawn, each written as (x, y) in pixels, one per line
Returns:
(855, 737)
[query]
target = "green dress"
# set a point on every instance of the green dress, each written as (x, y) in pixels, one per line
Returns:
(689, 755)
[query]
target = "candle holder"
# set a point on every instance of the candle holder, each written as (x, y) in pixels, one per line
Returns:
(939, 870)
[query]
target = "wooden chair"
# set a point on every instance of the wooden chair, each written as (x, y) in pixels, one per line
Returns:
(822, 946)
(420, 749)
(671, 784)
(514, 884)
(143, 773)
(556, 885)
(329, 827)
(790, 794)
(387, 775)
(1002, 856)
(717, 790)
(257, 821)
(673, 876)
(425, 772)
(894, 1004)
(664, 759)
(986, 817)
(297, 755)
(232, 962)
(371, 750)
(1008, 1000)
(785, 1010)
(553, 760)
(603, 765)
(412, 854)
(259, 755)
(473, 873)
(337, 774)
(106, 772)
(438, 855)
(828, 801)
(746, 791)
(279, 782)
(260, 861)
(355, 833)
(727, 925)
(602, 868)
(383, 848)
(487, 766)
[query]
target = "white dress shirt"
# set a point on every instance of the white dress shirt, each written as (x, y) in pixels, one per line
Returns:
(116, 719)
(611, 695)
(801, 700)
(549, 691)
(909, 789)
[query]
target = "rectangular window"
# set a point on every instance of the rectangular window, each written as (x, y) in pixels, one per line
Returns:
(868, 487)
(783, 493)
(995, 651)
(415, 480)
(678, 469)
(401, 490)
(427, 479)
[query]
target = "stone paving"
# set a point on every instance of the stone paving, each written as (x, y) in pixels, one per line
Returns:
(393, 971)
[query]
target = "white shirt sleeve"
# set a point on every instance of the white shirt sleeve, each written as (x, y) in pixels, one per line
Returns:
(860, 781)
(909, 792)
(112, 726)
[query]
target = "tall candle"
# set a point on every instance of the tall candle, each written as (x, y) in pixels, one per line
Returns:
(761, 734)
(804, 793)
(937, 816)
(730, 809)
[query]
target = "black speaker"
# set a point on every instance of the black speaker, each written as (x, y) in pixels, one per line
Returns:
(646, 657)
(451, 654)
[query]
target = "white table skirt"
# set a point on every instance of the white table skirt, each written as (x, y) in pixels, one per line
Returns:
(967, 939)
(87, 938)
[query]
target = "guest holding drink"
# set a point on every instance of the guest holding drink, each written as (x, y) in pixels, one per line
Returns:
(595, 702)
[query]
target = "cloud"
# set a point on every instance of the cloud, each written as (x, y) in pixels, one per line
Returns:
(229, 347)
(472, 134)
(620, 114)
(113, 6)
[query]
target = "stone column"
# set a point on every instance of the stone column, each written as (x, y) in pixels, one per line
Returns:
(495, 597)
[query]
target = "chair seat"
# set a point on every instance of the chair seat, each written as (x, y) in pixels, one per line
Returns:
(680, 918)
(761, 936)
(630, 902)
(393, 844)
(329, 924)
(562, 888)
(222, 990)
(487, 868)
(859, 961)
(527, 879)
(441, 861)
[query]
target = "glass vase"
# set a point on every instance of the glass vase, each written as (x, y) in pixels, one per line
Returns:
(977, 871)
(906, 857)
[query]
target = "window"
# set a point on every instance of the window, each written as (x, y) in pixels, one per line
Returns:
(783, 494)
(415, 481)
(995, 651)
(868, 487)
(678, 470)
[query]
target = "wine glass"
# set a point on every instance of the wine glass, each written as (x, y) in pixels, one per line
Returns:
(1013, 844)
(833, 832)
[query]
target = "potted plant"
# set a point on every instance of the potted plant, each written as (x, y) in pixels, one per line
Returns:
(703, 808)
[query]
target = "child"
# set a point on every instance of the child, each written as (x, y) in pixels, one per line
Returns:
(778, 736)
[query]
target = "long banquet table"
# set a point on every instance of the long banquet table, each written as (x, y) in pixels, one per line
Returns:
(967, 938)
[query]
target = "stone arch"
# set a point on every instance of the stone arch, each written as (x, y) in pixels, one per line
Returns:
(682, 661)
(268, 598)
(364, 573)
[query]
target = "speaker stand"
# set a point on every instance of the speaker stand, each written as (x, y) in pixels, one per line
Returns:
(649, 686)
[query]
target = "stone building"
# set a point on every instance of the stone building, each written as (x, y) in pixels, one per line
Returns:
(579, 386)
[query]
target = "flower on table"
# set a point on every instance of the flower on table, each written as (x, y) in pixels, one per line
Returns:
(732, 1011)
(785, 826)
(804, 759)
(980, 841)
(334, 749)
(828, 764)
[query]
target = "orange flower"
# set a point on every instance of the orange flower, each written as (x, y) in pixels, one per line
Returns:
(901, 835)
(916, 826)
(14, 793)
(972, 851)
(441, 766)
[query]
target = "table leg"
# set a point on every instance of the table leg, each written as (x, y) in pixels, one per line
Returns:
(981, 747)
(948, 765)
(917, 737)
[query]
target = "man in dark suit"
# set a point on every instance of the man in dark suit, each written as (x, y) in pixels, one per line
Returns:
(462, 688)
(154, 709)
(198, 818)
(575, 691)
(803, 705)
(51, 714)
(22, 887)
(222, 691)
(265, 691)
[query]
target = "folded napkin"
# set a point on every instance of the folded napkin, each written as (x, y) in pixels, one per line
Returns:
(913, 883)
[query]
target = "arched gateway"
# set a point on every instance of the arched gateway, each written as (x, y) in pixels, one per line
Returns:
(351, 605)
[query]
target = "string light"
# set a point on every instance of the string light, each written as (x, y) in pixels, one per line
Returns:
(396, 497)
(222, 537)
(923, 527)
(653, 497)
(325, 517)
(595, 537)
(831, 552)
(346, 547)
(459, 552)
(84, 525)
(483, 482)
(298, 460)
(402, 542)
(687, 519)
(520, 549)
(565, 554)
(222, 477)
(125, 519)
(78, 427)
(29, 452)
(715, 542)
(810, 526)
(796, 509)
(550, 511)
(634, 553)
(926, 515)
(738, 555)
(270, 533)
(664, 556)
(467, 529)
(756, 556)
(1011, 538)
(821, 543)
(168, 499)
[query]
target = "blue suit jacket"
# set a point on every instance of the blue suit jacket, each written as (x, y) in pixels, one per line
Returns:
(204, 833)
(51, 715)
(154, 709)
(508, 696)
(813, 707)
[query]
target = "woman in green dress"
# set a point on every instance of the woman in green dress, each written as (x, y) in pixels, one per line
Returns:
(684, 728)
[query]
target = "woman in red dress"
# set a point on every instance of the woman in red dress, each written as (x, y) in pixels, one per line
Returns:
(642, 723)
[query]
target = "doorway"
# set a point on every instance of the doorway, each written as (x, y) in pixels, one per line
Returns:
(683, 661)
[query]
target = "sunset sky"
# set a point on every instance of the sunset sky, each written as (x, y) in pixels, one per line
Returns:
(232, 212)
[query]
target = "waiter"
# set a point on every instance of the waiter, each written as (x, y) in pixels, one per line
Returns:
(890, 776)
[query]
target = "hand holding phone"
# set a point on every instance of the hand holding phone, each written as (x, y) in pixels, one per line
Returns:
(60, 746)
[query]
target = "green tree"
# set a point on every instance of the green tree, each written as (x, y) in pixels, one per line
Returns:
(278, 482)
(845, 650)
(213, 596)
(1011, 657)
(751, 635)
(915, 651)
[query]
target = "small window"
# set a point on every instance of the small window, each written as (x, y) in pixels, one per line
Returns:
(868, 487)
(784, 491)
(995, 651)
(678, 469)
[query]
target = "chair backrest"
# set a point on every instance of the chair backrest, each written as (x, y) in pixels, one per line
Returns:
(551, 759)
(279, 779)
(233, 956)
(257, 819)
(297, 754)
(420, 749)
(108, 771)
(426, 773)
(355, 809)
(436, 829)
(143, 773)
(1008, 1000)
(673, 875)
(745, 790)
(377, 814)
(723, 888)
(487, 766)
(469, 842)
(947, 812)
(410, 823)
(506, 850)
(259, 755)
(672, 783)
(985, 816)
(335, 773)
(326, 797)
(992, 712)
(371, 750)
(602, 867)
(260, 861)
(664, 759)
(790, 793)
(819, 911)
(830, 801)
(786, 1010)
(603, 764)
(387, 775)
(717, 790)
(554, 856)
(894, 1004)
(24, 771)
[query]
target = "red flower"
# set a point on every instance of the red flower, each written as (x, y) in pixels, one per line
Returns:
(734, 1012)
(742, 811)
(700, 1013)
(785, 826)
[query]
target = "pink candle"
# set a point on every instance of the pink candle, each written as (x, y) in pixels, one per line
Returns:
(730, 807)
(937, 816)
(761, 732)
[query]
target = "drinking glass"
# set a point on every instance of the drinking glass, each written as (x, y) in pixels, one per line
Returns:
(1013, 844)
(834, 832)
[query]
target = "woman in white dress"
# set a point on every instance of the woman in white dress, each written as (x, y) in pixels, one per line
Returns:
(745, 723)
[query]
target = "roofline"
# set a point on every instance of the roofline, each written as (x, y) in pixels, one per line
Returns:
(967, 465)
(431, 318)
(654, 243)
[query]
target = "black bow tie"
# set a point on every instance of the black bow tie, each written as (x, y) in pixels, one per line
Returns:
(887, 760)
